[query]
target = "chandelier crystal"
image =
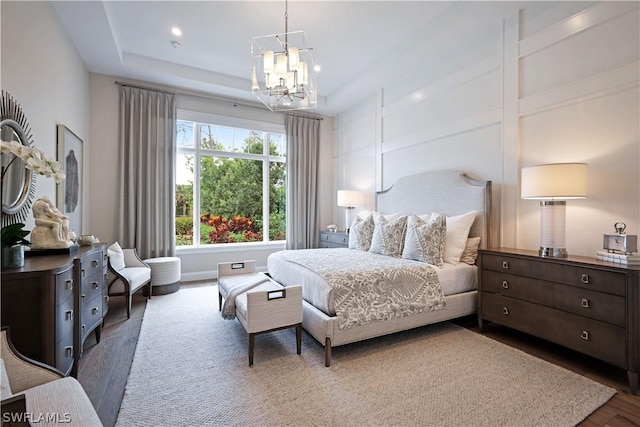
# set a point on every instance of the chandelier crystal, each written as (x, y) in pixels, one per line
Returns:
(282, 70)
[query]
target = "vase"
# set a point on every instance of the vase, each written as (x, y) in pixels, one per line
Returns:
(13, 257)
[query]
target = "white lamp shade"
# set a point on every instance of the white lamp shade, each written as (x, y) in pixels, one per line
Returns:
(559, 181)
(350, 198)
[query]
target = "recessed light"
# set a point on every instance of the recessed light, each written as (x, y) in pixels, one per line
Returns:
(175, 44)
(176, 31)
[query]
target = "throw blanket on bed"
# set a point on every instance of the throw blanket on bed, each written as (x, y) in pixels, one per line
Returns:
(369, 287)
(228, 311)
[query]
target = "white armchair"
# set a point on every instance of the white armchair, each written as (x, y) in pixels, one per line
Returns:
(31, 388)
(127, 273)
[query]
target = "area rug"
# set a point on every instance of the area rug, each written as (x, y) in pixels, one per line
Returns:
(191, 369)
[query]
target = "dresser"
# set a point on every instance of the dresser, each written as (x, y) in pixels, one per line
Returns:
(581, 303)
(53, 302)
(330, 239)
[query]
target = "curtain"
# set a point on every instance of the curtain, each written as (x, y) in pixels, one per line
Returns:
(303, 148)
(146, 208)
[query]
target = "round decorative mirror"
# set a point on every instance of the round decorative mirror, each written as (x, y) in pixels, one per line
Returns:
(18, 182)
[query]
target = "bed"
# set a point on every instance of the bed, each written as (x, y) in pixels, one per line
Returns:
(451, 193)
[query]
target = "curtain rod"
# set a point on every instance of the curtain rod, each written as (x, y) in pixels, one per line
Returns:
(213, 98)
(306, 117)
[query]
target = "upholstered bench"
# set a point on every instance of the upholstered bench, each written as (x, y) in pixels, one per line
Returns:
(266, 307)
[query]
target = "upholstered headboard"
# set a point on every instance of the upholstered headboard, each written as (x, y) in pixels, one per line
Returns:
(448, 192)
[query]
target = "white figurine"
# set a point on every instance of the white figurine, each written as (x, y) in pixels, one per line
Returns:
(52, 227)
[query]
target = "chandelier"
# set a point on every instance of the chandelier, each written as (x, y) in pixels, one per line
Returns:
(282, 70)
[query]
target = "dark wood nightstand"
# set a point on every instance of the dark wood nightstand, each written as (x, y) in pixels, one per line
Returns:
(582, 303)
(331, 239)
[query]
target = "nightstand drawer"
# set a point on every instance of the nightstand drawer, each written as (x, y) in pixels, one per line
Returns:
(594, 338)
(329, 239)
(595, 305)
(555, 271)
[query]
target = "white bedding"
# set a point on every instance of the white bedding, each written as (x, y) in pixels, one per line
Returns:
(454, 279)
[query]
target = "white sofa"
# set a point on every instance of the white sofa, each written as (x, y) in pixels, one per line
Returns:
(50, 397)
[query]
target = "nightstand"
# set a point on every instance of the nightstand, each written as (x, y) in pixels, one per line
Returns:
(330, 239)
(581, 303)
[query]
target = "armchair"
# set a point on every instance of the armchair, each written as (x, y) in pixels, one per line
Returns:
(127, 273)
(34, 393)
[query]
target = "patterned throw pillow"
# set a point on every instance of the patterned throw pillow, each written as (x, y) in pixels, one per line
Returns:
(361, 233)
(388, 235)
(425, 240)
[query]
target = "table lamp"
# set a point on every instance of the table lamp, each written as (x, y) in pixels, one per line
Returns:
(553, 184)
(349, 199)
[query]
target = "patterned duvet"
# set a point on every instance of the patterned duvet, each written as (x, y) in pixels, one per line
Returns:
(360, 287)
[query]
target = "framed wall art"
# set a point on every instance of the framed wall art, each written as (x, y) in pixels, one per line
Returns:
(70, 190)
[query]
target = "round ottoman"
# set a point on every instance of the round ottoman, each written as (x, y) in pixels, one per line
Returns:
(165, 274)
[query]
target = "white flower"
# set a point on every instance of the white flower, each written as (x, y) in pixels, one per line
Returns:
(33, 159)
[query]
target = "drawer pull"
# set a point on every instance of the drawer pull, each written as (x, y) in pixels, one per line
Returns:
(68, 351)
(95, 310)
(82, 296)
(68, 315)
(585, 303)
(94, 263)
(106, 298)
(84, 327)
(505, 265)
(585, 335)
(69, 284)
(82, 272)
(505, 311)
(584, 278)
(95, 285)
(505, 284)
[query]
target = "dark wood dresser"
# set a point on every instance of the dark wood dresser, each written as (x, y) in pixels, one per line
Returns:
(331, 239)
(53, 303)
(582, 303)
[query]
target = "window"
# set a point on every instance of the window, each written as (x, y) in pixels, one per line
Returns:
(230, 181)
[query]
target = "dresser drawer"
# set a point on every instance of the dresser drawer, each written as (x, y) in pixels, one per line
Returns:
(92, 286)
(594, 338)
(584, 302)
(64, 354)
(574, 275)
(64, 320)
(64, 286)
(91, 315)
(91, 264)
(339, 239)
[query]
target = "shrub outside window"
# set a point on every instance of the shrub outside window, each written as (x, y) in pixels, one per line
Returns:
(230, 183)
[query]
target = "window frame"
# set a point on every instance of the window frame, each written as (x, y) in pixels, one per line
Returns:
(197, 152)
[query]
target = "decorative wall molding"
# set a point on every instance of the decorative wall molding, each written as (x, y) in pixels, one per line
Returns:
(579, 22)
(477, 70)
(616, 80)
(476, 121)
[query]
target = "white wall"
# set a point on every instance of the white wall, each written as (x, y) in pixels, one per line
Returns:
(43, 72)
(492, 88)
(197, 264)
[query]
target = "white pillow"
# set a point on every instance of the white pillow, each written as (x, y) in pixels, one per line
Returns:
(360, 233)
(425, 240)
(458, 227)
(471, 251)
(116, 256)
(388, 236)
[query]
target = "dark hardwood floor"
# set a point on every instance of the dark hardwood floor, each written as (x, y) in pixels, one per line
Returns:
(104, 368)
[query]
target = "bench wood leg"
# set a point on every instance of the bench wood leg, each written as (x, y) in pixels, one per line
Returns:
(299, 338)
(327, 352)
(219, 301)
(252, 337)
